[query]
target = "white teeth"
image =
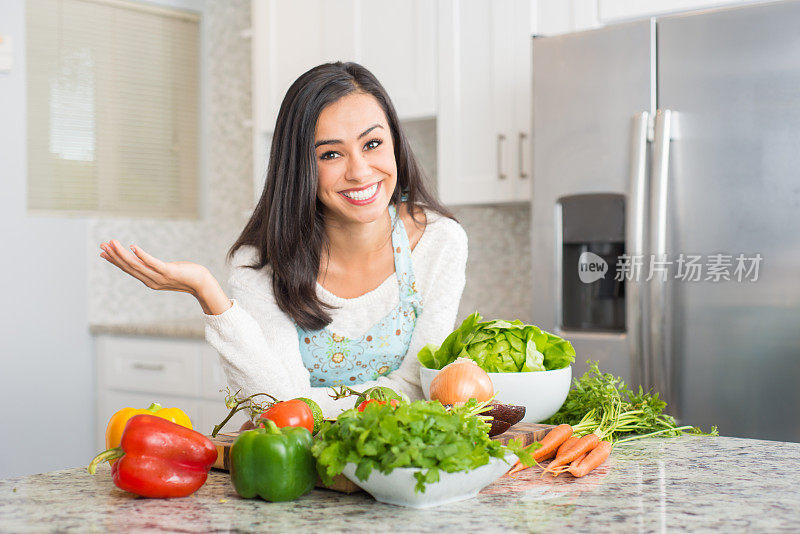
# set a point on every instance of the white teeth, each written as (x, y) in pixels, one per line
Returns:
(364, 194)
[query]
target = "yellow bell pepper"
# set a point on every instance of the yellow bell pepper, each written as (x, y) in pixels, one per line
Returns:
(116, 425)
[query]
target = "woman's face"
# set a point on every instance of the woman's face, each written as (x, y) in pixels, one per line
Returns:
(355, 159)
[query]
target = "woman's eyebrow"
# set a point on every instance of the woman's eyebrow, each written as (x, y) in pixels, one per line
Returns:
(339, 141)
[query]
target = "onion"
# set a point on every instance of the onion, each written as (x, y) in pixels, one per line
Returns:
(460, 381)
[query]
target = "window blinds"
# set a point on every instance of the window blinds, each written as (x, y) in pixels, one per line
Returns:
(112, 108)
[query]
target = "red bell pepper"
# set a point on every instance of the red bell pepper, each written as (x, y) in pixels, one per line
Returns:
(159, 458)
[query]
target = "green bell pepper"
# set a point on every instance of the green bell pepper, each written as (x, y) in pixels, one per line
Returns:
(273, 463)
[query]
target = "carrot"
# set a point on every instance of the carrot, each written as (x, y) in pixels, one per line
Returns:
(552, 441)
(519, 466)
(560, 470)
(567, 445)
(578, 460)
(582, 446)
(597, 456)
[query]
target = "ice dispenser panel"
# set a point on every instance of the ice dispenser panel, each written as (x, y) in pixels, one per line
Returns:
(593, 237)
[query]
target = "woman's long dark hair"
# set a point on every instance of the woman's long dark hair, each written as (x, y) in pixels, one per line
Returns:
(288, 226)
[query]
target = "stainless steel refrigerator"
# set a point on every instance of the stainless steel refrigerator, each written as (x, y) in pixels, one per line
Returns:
(664, 147)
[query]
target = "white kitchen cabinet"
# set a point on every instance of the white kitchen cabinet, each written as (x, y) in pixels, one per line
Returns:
(483, 121)
(395, 40)
(617, 10)
(135, 371)
(552, 17)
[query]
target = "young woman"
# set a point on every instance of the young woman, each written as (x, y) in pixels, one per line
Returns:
(348, 265)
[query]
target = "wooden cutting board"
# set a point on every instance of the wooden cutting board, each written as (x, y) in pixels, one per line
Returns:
(526, 432)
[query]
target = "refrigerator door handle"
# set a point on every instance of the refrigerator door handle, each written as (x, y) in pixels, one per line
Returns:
(660, 316)
(636, 207)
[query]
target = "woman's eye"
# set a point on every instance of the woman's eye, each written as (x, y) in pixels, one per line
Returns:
(375, 143)
(329, 155)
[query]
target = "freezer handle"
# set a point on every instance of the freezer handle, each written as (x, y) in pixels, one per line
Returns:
(659, 309)
(635, 238)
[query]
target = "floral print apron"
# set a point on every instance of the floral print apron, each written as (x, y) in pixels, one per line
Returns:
(335, 360)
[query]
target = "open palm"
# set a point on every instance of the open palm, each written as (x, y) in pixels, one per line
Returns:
(182, 276)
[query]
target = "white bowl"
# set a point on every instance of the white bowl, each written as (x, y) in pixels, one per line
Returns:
(398, 486)
(541, 392)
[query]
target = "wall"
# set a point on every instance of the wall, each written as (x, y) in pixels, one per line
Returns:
(47, 380)
(226, 152)
(46, 383)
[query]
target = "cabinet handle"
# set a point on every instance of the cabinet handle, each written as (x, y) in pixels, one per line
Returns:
(148, 366)
(500, 174)
(522, 173)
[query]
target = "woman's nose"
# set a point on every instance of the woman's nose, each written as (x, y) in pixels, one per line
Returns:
(358, 167)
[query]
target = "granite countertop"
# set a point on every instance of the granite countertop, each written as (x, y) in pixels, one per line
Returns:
(190, 328)
(654, 485)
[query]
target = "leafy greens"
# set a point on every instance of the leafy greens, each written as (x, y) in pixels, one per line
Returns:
(418, 434)
(500, 347)
(598, 397)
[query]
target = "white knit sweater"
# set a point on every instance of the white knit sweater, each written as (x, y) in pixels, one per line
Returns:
(258, 343)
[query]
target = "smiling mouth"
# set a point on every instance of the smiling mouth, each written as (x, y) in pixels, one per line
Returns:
(361, 196)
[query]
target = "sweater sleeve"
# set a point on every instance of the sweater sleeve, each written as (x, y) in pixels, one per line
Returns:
(259, 347)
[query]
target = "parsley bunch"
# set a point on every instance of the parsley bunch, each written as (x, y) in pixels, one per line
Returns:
(602, 399)
(421, 434)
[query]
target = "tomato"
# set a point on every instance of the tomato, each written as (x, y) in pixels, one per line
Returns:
(393, 403)
(291, 413)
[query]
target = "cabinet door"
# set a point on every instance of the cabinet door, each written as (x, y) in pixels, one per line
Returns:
(522, 118)
(476, 101)
(553, 17)
(148, 365)
(398, 44)
(288, 39)
(395, 40)
(615, 10)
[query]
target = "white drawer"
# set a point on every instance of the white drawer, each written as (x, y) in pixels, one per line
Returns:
(110, 402)
(149, 365)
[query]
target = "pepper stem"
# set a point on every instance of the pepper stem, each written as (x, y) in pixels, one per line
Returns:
(269, 425)
(110, 454)
(154, 407)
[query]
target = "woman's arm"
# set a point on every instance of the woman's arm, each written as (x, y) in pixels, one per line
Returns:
(181, 276)
(259, 347)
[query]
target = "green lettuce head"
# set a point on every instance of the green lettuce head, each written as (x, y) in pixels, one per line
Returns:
(500, 347)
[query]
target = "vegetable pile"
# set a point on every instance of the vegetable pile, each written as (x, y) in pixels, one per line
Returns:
(500, 347)
(421, 434)
(598, 411)
(302, 412)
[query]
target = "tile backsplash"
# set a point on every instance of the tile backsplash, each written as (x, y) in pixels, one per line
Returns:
(499, 281)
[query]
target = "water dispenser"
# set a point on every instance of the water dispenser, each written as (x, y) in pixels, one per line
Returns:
(592, 239)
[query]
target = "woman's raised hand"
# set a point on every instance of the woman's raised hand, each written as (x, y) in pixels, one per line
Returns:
(181, 276)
